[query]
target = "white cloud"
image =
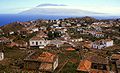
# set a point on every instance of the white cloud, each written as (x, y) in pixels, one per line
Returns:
(99, 9)
(22, 9)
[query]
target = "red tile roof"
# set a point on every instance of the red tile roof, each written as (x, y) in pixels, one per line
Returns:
(84, 65)
(46, 57)
(70, 49)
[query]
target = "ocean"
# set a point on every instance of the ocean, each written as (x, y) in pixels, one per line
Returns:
(9, 18)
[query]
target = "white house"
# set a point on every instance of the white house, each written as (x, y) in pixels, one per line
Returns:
(55, 26)
(12, 32)
(98, 45)
(102, 43)
(68, 24)
(38, 42)
(78, 25)
(76, 40)
(1, 56)
(43, 28)
(58, 22)
(98, 34)
(108, 42)
(35, 29)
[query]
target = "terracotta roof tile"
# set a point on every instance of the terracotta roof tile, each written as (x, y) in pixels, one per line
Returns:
(46, 57)
(70, 49)
(84, 65)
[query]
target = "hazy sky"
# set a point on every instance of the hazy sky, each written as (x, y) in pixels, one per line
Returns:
(103, 6)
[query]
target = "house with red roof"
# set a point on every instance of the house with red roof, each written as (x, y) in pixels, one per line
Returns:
(94, 64)
(44, 62)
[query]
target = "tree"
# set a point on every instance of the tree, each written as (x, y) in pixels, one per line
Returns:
(50, 35)
(54, 34)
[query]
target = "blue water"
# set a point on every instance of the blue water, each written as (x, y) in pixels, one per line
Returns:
(9, 18)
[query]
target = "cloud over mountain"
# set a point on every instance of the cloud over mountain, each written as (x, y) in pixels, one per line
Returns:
(58, 9)
(44, 5)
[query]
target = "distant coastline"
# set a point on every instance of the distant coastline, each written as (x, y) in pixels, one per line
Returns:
(10, 18)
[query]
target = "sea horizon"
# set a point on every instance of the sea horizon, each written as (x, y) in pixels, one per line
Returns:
(10, 18)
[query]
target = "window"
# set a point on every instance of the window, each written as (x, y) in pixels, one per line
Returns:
(40, 42)
(36, 43)
(32, 42)
(94, 66)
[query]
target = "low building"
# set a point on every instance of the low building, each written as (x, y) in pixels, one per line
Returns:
(102, 43)
(12, 44)
(1, 56)
(118, 64)
(21, 44)
(44, 62)
(87, 44)
(57, 43)
(35, 29)
(95, 64)
(76, 40)
(98, 35)
(66, 37)
(4, 40)
(55, 26)
(115, 58)
(12, 32)
(38, 42)
(43, 28)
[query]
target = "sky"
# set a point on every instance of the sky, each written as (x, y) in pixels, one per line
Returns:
(101, 6)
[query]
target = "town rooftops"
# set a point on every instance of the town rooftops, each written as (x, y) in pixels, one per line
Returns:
(46, 57)
(84, 65)
(56, 42)
(37, 38)
(41, 57)
(99, 33)
(98, 59)
(108, 40)
(105, 40)
(70, 49)
(4, 39)
(87, 44)
(115, 56)
(102, 40)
